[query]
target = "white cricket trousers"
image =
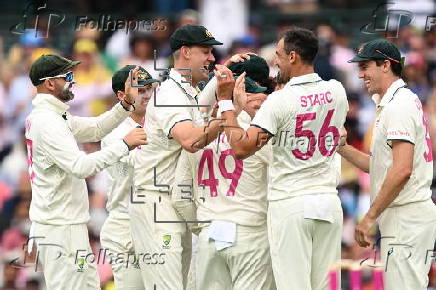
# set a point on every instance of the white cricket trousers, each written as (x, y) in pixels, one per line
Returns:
(245, 265)
(157, 231)
(303, 250)
(408, 234)
(66, 256)
(116, 239)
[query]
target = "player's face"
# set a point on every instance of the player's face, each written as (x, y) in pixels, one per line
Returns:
(143, 97)
(61, 89)
(371, 75)
(201, 58)
(282, 61)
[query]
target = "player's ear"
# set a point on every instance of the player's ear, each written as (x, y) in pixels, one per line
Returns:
(386, 66)
(292, 56)
(120, 95)
(185, 52)
(49, 84)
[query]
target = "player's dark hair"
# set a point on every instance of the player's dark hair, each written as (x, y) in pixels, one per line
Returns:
(303, 42)
(396, 67)
(270, 85)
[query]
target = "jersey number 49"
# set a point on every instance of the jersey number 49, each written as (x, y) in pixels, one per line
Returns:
(212, 182)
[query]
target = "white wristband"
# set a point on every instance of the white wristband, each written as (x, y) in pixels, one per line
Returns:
(225, 105)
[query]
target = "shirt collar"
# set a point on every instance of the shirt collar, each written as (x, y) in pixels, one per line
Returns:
(307, 78)
(50, 102)
(132, 123)
(183, 82)
(389, 95)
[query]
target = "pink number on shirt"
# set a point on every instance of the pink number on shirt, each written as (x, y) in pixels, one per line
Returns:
(207, 157)
(212, 182)
(322, 136)
(428, 156)
(325, 129)
(299, 132)
(235, 175)
(29, 145)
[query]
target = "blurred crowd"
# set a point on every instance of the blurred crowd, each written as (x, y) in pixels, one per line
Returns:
(93, 95)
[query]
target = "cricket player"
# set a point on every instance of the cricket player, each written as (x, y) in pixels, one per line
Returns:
(304, 211)
(59, 209)
(233, 249)
(173, 123)
(115, 234)
(400, 165)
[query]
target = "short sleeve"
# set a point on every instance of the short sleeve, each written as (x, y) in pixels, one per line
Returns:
(171, 108)
(267, 118)
(400, 123)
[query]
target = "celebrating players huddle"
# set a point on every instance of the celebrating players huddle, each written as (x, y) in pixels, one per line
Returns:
(212, 163)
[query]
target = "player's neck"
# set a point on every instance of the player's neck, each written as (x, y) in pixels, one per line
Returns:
(138, 118)
(181, 67)
(45, 91)
(387, 83)
(302, 70)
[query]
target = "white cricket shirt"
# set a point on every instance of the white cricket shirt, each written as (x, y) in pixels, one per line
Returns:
(399, 116)
(166, 108)
(228, 189)
(57, 167)
(304, 118)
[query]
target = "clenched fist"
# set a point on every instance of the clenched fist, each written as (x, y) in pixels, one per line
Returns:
(135, 138)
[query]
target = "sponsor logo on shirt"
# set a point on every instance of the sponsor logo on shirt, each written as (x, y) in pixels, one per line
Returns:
(166, 240)
(80, 263)
(398, 133)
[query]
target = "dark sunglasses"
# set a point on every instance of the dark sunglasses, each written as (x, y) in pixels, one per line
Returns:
(69, 77)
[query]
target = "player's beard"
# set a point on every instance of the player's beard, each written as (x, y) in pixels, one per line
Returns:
(66, 93)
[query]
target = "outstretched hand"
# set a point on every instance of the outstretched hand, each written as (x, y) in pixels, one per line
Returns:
(225, 82)
(239, 95)
(239, 57)
(131, 86)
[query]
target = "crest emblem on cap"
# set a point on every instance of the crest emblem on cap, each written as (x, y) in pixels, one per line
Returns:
(208, 34)
(143, 76)
(360, 49)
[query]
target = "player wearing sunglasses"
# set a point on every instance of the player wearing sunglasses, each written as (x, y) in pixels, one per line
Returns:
(59, 209)
(65, 94)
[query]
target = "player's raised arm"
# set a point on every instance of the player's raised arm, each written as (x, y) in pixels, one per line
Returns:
(92, 129)
(243, 143)
(55, 141)
(194, 138)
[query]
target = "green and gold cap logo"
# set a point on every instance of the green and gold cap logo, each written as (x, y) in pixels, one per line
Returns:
(208, 34)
